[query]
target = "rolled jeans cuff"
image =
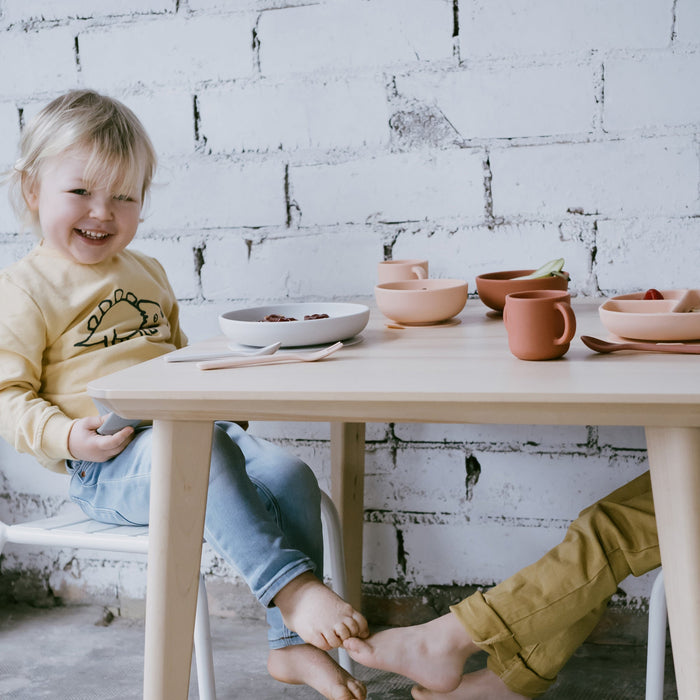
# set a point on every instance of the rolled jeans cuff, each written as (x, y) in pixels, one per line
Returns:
(285, 576)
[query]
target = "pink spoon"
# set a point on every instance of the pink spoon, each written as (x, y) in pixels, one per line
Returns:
(604, 346)
(271, 359)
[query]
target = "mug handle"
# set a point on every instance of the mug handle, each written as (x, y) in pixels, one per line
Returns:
(569, 323)
(419, 272)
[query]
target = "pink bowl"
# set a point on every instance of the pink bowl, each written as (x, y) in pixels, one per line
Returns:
(421, 302)
(493, 286)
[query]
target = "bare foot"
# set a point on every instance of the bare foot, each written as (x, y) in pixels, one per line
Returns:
(317, 614)
(305, 664)
(480, 685)
(432, 654)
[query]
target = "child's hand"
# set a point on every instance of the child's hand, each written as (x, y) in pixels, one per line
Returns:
(84, 442)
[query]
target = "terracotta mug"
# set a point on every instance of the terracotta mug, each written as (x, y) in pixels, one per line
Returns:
(400, 270)
(540, 323)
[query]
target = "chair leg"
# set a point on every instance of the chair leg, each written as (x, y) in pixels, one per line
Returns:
(656, 640)
(202, 646)
(332, 529)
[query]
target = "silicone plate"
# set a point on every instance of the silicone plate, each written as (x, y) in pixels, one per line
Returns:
(246, 326)
(676, 317)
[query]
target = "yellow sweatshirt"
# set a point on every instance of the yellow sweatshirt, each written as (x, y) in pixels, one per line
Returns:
(63, 324)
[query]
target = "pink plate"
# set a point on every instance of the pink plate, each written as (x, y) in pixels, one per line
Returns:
(674, 318)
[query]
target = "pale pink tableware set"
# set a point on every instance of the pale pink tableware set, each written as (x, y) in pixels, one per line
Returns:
(537, 312)
(406, 295)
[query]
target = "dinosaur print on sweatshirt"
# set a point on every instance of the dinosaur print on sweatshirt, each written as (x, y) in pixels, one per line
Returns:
(122, 317)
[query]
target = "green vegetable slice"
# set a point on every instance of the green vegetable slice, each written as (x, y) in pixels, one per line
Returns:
(553, 267)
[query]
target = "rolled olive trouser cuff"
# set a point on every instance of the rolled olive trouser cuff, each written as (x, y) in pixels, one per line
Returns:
(531, 623)
(492, 635)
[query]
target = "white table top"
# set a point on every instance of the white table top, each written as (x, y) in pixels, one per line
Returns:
(460, 373)
(451, 373)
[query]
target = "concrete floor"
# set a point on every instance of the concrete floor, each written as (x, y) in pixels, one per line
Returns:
(70, 653)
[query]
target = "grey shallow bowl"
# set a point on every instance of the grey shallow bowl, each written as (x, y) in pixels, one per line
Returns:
(246, 326)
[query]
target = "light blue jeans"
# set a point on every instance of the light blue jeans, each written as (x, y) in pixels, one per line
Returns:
(263, 511)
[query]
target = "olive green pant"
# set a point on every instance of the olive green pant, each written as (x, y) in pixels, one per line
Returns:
(531, 623)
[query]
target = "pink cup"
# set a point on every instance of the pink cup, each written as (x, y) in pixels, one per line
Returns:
(400, 270)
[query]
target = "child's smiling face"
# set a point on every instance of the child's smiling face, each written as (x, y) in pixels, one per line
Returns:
(86, 223)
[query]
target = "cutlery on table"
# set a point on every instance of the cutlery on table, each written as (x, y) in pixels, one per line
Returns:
(270, 359)
(179, 356)
(604, 346)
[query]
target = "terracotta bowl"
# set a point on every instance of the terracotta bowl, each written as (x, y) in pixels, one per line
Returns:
(493, 286)
(421, 302)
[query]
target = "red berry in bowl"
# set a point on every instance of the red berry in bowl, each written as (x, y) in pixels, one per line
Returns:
(653, 294)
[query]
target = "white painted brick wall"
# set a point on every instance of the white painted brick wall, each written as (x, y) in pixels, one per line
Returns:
(639, 95)
(503, 101)
(296, 114)
(487, 437)
(26, 10)
(177, 256)
(171, 51)
(403, 187)
(279, 267)
(444, 553)
(687, 24)
(624, 438)
(14, 247)
(221, 194)
(168, 116)
(9, 126)
(543, 27)
(351, 35)
(301, 142)
(663, 247)
(36, 62)
(627, 178)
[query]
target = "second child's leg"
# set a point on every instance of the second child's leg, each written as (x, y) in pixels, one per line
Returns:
(532, 622)
(479, 685)
(432, 654)
(492, 683)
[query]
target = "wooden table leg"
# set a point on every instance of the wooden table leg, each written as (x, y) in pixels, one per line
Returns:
(347, 492)
(180, 475)
(674, 460)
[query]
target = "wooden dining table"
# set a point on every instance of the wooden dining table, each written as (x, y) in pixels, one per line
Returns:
(456, 372)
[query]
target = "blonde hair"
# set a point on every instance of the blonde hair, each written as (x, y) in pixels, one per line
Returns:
(121, 155)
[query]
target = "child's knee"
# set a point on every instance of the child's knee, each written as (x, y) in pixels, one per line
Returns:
(300, 480)
(613, 526)
(224, 451)
(592, 519)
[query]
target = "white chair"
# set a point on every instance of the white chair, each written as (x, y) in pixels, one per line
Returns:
(75, 529)
(656, 640)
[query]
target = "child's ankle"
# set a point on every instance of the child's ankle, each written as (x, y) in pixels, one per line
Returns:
(288, 594)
